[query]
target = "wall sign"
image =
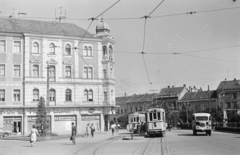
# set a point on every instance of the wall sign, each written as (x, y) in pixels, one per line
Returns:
(91, 110)
(61, 111)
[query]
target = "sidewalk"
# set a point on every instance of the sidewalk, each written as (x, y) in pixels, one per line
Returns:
(55, 147)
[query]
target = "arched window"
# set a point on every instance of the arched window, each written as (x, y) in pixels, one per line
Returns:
(35, 71)
(110, 53)
(68, 71)
(51, 48)
(85, 95)
(35, 95)
(104, 73)
(85, 72)
(67, 49)
(68, 95)
(52, 95)
(90, 73)
(105, 96)
(35, 47)
(90, 51)
(90, 95)
(104, 50)
(85, 51)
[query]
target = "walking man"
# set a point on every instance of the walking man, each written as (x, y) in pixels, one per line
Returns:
(74, 133)
(92, 130)
(113, 126)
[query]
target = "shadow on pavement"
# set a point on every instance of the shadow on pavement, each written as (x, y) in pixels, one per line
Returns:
(26, 146)
(192, 135)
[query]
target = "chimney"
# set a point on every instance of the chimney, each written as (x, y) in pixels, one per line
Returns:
(125, 94)
(184, 85)
(172, 86)
(208, 88)
(168, 86)
(234, 79)
(190, 89)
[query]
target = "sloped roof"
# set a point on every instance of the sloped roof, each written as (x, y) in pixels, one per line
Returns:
(12, 25)
(171, 91)
(200, 95)
(135, 98)
(233, 84)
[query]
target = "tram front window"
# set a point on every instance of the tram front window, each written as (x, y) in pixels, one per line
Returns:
(159, 116)
(137, 119)
(154, 115)
(150, 116)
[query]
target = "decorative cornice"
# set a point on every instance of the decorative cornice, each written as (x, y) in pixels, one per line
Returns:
(52, 62)
(67, 62)
(35, 60)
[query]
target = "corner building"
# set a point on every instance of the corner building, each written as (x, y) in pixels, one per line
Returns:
(81, 74)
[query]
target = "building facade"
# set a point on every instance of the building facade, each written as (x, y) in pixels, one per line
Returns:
(78, 65)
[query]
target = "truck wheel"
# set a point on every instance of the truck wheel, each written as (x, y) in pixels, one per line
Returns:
(194, 132)
(210, 133)
(206, 132)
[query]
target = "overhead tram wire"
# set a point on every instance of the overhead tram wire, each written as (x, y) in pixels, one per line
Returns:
(144, 36)
(138, 18)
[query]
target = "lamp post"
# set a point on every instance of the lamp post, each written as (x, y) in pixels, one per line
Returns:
(186, 105)
(222, 94)
(117, 121)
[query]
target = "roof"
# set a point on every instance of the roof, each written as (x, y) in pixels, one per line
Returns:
(171, 91)
(233, 84)
(135, 98)
(142, 98)
(11, 25)
(200, 95)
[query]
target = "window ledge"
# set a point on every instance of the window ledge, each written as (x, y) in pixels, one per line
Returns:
(67, 55)
(37, 54)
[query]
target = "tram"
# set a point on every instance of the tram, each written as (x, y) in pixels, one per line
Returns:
(155, 122)
(135, 119)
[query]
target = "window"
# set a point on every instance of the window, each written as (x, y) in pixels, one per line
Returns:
(104, 50)
(110, 53)
(52, 95)
(234, 95)
(125, 111)
(105, 96)
(35, 95)
(52, 72)
(2, 70)
(17, 47)
(16, 70)
(2, 45)
(68, 71)
(51, 48)
(2, 95)
(104, 73)
(90, 73)
(35, 47)
(85, 95)
(112, 95)
(67, 49)
(85, 51)
(68, 95)
(90, 95)
(121, 111)
(16, 95)
(90, 51)
(85, 71)
(35, 71)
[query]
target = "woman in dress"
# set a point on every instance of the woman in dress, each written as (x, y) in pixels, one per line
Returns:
(34, 134)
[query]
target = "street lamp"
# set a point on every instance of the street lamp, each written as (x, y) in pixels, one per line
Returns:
(186, 105)
(222, 94)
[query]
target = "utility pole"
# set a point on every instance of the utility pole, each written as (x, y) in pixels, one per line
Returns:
(47, 93)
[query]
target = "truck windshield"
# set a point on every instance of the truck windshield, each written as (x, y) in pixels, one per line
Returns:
(201, 118)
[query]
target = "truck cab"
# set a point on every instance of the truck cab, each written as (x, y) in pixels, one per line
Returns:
(202, 122)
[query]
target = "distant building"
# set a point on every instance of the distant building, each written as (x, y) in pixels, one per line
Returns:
(81, 75)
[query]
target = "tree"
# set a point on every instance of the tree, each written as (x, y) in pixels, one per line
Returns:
(123, 120)
(42, 121)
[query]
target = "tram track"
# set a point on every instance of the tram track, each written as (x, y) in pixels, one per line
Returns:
(98, 146)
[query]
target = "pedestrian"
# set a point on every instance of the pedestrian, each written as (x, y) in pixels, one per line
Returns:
(87, 130)
(92, 130)
(98, 129)
(74, 133)
(33, 136)
(113, 126)
(178, 125)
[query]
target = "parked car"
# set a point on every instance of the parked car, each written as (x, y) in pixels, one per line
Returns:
(5, 133)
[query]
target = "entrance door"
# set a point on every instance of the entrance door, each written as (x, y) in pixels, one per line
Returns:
(17, 126)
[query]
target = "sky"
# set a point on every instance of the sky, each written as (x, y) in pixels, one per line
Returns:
(207, 42)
